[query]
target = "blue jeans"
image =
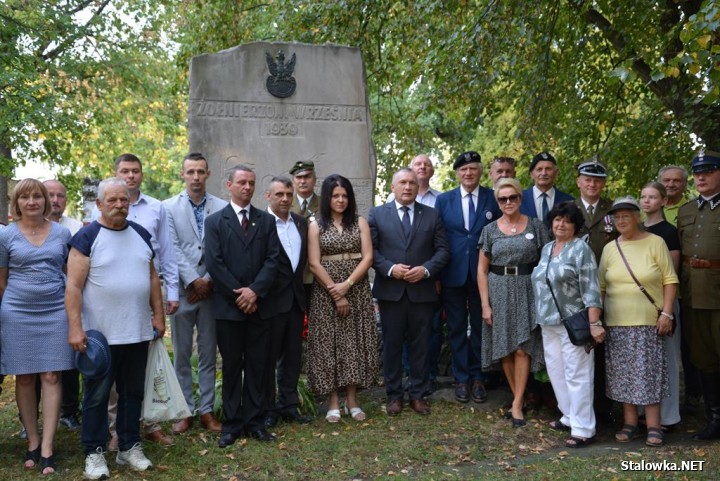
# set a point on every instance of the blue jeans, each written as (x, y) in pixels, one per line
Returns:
(127, 371)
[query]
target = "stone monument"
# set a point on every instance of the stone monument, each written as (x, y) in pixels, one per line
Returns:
(268, 105)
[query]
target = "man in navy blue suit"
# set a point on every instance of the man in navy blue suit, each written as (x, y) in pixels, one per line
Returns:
(465, 210)
(539, 199)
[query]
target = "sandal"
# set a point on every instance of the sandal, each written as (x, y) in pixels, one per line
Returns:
(48, 463)
(654, 438)
(576, 442)
(559, 426)
(356, 413)
(32, 456)
(333, 416)
(627, 433)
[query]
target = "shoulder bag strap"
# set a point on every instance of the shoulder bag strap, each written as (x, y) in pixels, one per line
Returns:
(642, 288)
(547, 281)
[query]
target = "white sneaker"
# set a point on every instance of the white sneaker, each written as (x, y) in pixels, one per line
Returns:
(135, 458)
(95, 465)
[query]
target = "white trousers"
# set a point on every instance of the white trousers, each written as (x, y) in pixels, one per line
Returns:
(571, 372)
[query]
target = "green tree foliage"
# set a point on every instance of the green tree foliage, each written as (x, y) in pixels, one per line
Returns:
(81, 81)
(634, 82)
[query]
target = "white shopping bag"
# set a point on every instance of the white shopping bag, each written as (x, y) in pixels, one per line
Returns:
(164, 400)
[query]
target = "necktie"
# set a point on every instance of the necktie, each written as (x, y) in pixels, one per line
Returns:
(591, 210)
(303, 207)
(244, 221)
(471, 212)
(406, 221)
(545, 208)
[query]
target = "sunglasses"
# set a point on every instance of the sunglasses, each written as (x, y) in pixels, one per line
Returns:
(509, 199)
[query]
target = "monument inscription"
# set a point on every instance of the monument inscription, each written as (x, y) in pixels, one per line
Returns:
(252, 105)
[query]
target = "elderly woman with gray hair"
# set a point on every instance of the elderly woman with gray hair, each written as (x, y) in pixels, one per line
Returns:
(566, 278)
(639, 284)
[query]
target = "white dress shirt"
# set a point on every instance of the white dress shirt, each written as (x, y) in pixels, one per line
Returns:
(466, 204)
(537, 196)
(289, 235)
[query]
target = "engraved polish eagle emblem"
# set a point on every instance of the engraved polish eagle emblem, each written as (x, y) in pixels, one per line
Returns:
(280, 83)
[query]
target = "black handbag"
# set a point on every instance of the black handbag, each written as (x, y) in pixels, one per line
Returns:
(578, 324)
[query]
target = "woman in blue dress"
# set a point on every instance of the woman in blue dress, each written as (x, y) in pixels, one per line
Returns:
(33, 323)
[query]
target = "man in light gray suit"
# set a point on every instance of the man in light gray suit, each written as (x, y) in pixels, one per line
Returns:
(409, 251)
(186, 215)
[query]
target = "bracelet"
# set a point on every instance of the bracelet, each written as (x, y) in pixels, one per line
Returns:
(669, 316)
(350, 282)
(596, 324)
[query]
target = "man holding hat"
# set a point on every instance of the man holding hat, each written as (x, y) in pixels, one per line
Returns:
(465, 210)
(305, 202)
(538, 200)
(112, 287)
(699, 229)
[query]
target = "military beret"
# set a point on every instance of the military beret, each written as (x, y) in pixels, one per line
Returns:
(466, 158)
(592, 168)
(705, 161)
(546, 156)
(302, 167)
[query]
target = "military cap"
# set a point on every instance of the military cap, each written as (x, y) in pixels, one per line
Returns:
(592, 168)
(302, 167)
(466, 158)
(624, 203)
(542, 156)
(705, 161)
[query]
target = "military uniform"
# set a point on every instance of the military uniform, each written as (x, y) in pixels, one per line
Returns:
(598, 229)
(302, 167)
(699, 229)
(311, 210)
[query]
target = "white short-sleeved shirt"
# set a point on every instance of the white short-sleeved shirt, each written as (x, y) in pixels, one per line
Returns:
(116, 296)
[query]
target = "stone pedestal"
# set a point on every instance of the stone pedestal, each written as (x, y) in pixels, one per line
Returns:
(268, 105)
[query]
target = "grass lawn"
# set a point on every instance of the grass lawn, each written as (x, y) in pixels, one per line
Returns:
(455, 442)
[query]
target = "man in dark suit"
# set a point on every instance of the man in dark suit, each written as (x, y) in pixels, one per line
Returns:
(464, 211)
(539, 199)
(409, 250)
(288, 296)
(242, 252)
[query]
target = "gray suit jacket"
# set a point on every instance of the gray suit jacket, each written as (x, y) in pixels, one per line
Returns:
(186, 237)
(426, 246)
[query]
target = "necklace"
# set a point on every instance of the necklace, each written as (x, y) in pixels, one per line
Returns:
(513, 227)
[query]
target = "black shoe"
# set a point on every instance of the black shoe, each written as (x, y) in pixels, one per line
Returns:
(71, 422)
(261, 435)
(295, 417)
(271, 421)
(709, 433)
(461, 393)
(227, 439)
(432, 387)
(479, 394)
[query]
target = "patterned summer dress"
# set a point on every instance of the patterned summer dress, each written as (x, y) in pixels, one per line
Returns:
(342, 350)
(511, 297)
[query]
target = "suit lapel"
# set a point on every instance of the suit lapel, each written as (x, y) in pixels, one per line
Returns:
(232, 220)
(416, 222)
(190, 214)
(253, 225)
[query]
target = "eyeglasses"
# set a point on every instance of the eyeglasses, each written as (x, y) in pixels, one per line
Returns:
(511, 199)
